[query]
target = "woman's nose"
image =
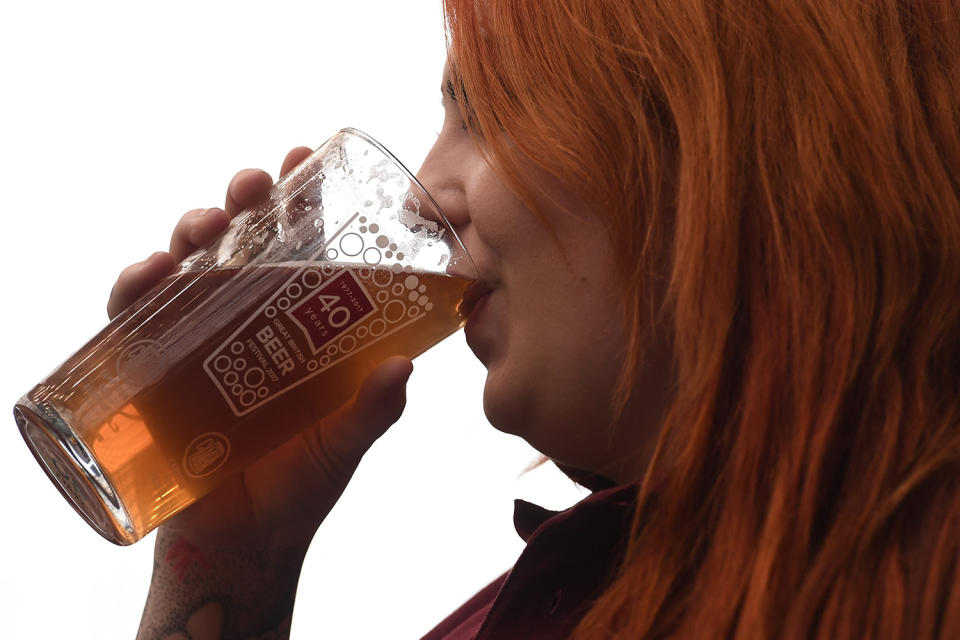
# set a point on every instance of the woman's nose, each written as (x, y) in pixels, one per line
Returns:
(440, 177)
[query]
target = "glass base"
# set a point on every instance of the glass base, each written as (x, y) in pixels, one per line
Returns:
(73, 469)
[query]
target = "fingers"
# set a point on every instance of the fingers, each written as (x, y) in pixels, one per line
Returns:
(248, 187)
(137, 279)
(341, 439)
(294, 157)
(196, 229)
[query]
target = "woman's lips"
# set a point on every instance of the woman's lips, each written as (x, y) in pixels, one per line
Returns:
(477, 309)
(472, 297)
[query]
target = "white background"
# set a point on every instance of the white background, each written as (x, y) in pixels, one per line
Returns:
(117, 117)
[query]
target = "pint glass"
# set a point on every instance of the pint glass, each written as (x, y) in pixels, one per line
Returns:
(268, 329)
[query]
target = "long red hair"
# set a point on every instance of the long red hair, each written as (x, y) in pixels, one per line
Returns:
(796, 166)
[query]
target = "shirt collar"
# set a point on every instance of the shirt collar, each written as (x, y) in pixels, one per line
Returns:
(613, 506)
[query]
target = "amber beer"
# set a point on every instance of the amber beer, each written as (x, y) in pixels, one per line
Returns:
(303, 338)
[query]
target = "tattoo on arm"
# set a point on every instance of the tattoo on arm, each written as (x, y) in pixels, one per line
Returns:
(220, 594)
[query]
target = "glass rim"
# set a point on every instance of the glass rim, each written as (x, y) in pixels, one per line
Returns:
(352, 131)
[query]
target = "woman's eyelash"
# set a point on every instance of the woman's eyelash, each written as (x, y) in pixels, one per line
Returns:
(453, 96)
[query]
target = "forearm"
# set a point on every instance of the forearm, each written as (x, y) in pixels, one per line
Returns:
(220, 593)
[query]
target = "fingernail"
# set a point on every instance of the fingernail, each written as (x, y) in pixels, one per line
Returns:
(203, 212)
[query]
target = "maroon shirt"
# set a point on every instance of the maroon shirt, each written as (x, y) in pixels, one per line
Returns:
(569, 558)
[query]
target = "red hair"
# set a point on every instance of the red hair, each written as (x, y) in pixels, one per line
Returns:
(790, 169)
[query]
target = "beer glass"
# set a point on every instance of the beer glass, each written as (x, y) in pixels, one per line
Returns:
(268, 329)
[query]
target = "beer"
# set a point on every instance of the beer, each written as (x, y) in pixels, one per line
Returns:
(193, 384)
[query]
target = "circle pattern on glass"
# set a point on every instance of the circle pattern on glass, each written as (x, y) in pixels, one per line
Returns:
(351, 244)
(311, 278)
(254, 377)
(347, 344)
(393, 311)
(372, 255)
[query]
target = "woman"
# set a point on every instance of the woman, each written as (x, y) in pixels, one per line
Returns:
(721, 250)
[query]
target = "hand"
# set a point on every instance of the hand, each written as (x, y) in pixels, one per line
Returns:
(281, 499)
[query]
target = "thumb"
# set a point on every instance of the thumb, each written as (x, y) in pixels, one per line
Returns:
(345, 435)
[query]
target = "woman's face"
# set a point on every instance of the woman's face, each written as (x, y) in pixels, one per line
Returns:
(550, 329)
